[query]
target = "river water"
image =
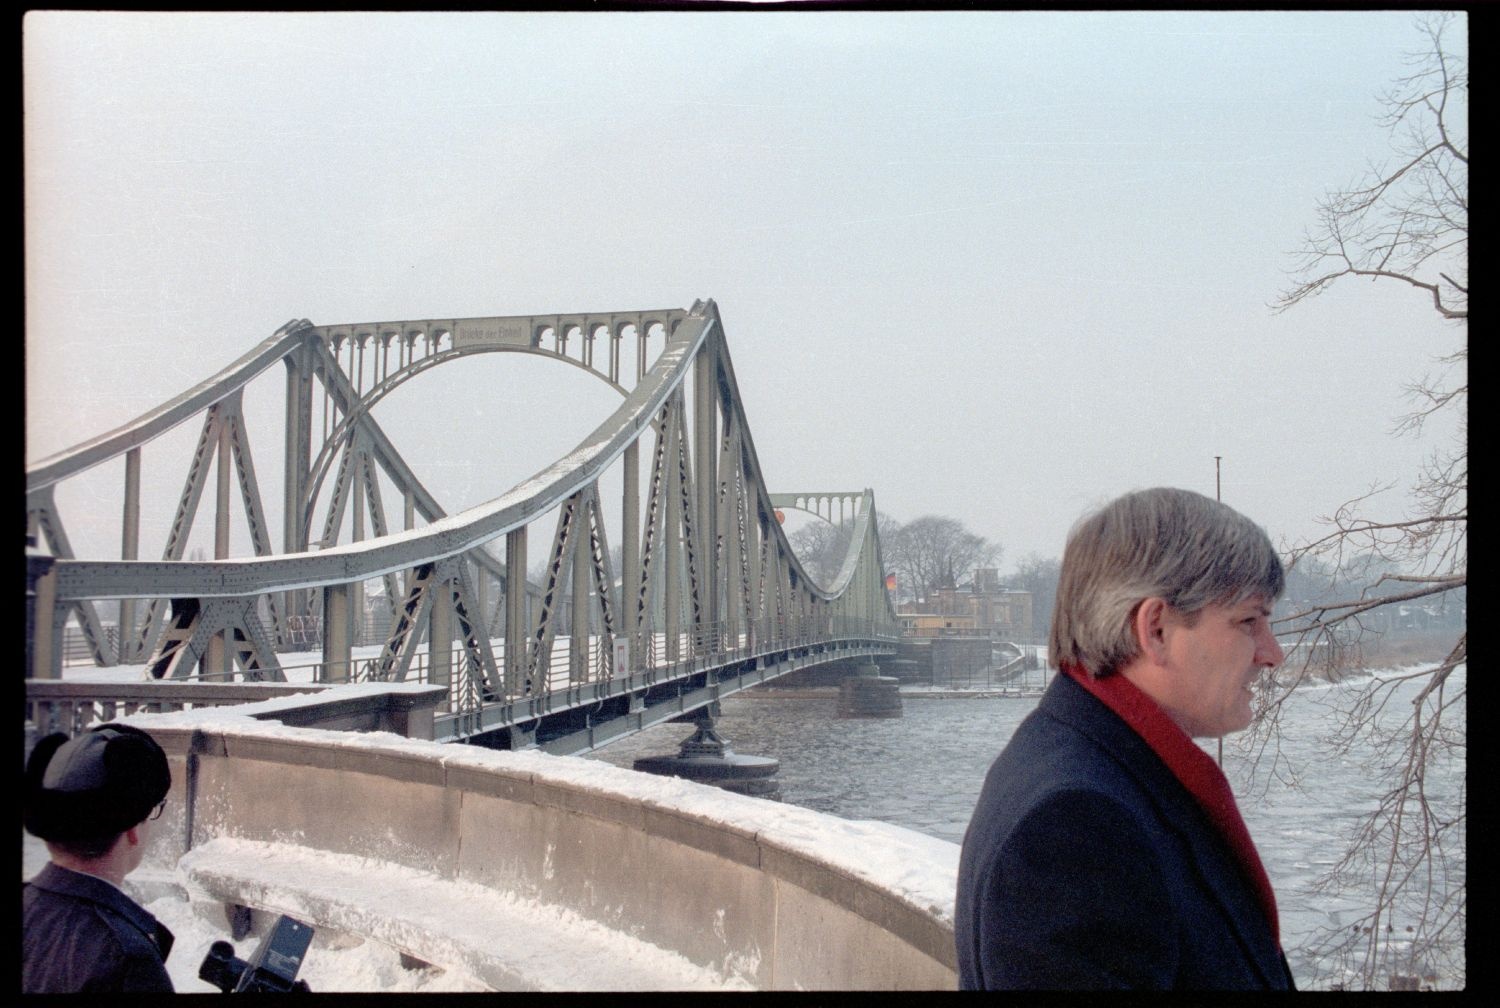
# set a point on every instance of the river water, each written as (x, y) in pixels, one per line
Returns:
(924, 771)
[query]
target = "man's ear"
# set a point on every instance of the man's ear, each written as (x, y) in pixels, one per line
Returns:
(133, 836)
(1149, 625)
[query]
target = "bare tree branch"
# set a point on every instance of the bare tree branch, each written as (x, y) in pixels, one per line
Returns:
(1401, 221)
(928, 550)
(1407, 224)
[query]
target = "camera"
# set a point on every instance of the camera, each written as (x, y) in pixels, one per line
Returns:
(273, 968)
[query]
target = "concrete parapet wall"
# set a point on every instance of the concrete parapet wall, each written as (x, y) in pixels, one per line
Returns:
(779, 896)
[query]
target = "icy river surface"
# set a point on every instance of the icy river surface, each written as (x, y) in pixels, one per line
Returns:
(924, 771)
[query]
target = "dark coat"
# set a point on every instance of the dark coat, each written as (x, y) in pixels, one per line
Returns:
(79, 933)
(1088, 865)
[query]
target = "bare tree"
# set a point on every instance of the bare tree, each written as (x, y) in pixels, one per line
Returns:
(926, 551)
(822, 547)
(1039, 575)
(1405, 222)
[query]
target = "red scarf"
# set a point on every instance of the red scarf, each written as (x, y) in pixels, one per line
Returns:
(1193, 767)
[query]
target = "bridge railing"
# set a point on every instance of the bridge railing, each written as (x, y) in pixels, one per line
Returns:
(658, 658)
(72, 707)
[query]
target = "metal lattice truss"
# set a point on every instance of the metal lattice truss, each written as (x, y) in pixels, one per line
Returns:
(703, 567)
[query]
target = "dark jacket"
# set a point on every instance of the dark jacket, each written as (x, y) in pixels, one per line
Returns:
(1088, 865)
(79, 933)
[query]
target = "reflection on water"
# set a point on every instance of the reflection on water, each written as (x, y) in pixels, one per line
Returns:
(924, 771)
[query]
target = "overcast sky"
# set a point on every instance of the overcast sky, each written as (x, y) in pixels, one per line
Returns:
(998, 265)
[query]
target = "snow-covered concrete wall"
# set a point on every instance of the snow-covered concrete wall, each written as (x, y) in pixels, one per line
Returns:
(780, 896)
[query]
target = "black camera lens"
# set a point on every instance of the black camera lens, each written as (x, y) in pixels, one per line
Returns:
(220, 967)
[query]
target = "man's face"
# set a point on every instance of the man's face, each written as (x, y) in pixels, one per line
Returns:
(1212, 663)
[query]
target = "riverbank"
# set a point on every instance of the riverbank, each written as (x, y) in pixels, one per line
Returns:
(915, 692)
(1370, 650)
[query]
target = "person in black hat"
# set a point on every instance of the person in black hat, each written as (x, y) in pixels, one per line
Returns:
(92, 799)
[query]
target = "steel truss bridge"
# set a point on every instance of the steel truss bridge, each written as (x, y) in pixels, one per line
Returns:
(706, 596)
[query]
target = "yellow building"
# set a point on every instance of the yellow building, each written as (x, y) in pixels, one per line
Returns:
(921, 624)
(982, 607)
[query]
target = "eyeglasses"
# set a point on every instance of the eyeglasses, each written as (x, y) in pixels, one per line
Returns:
(157, 814)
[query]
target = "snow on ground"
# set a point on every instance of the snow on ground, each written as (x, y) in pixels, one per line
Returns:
(334, 962)
(469, 928)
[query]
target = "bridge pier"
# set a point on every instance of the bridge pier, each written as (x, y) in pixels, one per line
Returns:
(867, 693)
(522, 736)
(707, 758)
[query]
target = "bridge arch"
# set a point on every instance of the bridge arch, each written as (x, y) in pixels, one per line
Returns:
(338, 438)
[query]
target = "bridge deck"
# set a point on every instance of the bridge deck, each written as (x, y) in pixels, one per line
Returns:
(572, 718)
(585, 716)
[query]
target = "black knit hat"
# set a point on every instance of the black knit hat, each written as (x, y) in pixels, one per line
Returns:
(96, 785)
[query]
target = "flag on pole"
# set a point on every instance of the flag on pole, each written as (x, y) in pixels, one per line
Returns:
(890, 582)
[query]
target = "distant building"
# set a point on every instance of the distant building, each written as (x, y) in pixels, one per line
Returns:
(982, 607)
(925, 624)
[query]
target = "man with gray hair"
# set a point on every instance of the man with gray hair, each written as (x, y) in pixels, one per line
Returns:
(1106, 849)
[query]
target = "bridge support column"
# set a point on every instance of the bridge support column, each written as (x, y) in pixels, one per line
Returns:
(130, 540)
(43, 628)
(521, 737)
(296, 460)
(705, 757)
(672, 564)
(732, 571)
(440, 635)
(630, 552)
(754, 605)
(357, 534)
(337, 652)
(409, 522)
(578, 635)
(218, 661)
(705, 472)
(867, 693)
(515, 613)
(481, 600)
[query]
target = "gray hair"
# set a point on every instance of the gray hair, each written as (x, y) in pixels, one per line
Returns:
(1167, 543)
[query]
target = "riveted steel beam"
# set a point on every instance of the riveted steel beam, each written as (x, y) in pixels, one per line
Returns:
(41, 515)
(445, 537)
(130, 545)
(151, 425)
